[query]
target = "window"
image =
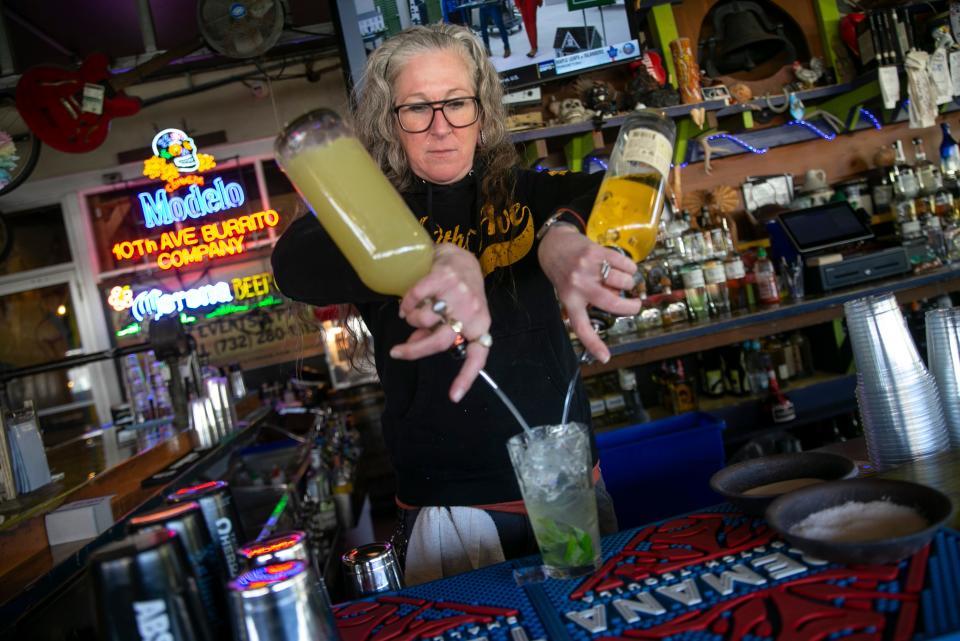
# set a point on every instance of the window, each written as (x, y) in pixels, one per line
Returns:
(32, 239)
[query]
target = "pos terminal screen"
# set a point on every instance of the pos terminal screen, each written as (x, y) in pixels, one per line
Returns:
(830, 225)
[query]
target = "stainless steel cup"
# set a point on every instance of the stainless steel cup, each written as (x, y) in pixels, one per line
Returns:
(203, 555)
(203, 422)
(372, 568)
(285, 547)
(220, 515)
(218, 389)
(279, 602)
(142, 586)
(291, 546)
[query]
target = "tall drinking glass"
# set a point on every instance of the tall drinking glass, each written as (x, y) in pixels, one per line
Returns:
(363, 213)
(626, 213)
(553, 467)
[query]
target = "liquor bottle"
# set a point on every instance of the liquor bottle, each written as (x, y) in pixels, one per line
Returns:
(768, 289)
(736, 283)
(734, 372)
(595, 395)
(615, 405)
(635, 411)
(682, 396)
(949, 154)
(711, 373)
(715, 278)
(754, 363)
(626, 213)
(781, 407)
(695, 292)
(802, 354)
(928, 174)
(902, 175)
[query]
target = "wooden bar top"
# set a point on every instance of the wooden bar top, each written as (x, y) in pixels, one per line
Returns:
(25, 555)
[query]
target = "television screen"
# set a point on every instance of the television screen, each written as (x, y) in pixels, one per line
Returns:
(572, 36)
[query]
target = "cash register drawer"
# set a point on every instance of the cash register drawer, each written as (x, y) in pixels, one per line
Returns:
(854, 270)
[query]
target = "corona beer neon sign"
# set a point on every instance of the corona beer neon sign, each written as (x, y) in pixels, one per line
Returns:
(158, 304)
(188, 245)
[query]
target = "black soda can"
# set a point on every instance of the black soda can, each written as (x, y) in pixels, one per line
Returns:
(144, 591)
(203, 554)
(220, 515)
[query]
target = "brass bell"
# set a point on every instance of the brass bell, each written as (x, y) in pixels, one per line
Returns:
(744, 37)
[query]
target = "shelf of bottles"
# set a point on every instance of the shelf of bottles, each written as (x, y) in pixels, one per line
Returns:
(696, 276)
(924, 197)
(754, 371)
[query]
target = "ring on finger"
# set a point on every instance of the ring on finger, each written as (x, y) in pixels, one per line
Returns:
(485, 339)
(455, 325)
(439, 307)
(605, 268)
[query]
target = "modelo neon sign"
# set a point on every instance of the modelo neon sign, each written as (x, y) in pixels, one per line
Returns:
(158, 304)
(159, 209)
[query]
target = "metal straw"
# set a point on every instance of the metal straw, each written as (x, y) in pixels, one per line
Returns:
(506, 401)
(585, 357)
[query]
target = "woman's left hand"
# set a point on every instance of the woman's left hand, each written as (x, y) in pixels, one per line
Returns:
(576, 267)
(455, 282)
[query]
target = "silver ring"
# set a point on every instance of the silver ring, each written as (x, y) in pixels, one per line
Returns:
(439, 307)
(604, 271)
(484, 339)
(455, 325)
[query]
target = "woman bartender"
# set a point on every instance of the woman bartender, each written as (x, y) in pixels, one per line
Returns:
(509, 244)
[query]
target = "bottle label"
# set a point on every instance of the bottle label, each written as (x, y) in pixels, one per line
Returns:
(693, 279)
(734, 269)
(715, 273)
(767, 289)
(650, 147)
(881, 196)
(597, 407)
(614, 402)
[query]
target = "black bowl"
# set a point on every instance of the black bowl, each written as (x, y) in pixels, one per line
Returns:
(792, 508)
(731, 482)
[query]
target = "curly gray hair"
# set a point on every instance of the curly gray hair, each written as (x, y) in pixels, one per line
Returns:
(377, 126)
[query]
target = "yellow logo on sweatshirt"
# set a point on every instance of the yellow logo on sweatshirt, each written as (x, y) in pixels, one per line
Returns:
(514, 223)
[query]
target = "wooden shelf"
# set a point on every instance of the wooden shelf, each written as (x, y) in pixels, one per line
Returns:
(656, 345)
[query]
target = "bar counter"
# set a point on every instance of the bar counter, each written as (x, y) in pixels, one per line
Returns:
(712, 575)
(31, 570)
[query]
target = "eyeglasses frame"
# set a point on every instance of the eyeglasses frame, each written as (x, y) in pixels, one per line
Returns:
(442, 104)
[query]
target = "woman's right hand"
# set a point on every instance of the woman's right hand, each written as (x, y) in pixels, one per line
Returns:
(457, 281)
(574, 264)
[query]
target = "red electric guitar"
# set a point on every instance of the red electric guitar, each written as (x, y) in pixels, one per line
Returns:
(71, 110)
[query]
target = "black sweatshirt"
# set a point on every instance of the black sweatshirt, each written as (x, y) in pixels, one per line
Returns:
(448, 453)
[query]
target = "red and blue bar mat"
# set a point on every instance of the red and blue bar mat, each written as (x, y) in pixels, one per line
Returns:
(708, 576)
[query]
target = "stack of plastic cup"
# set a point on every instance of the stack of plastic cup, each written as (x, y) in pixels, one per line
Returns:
(898, 398)
(943, 356)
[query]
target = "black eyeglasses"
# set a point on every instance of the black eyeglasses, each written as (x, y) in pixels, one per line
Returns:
(417, 117)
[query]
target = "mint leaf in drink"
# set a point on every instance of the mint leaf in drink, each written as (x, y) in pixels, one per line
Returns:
(562, 544)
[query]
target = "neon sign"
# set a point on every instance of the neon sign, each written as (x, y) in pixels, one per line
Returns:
(158, 304)
(188, 245)
(160, 210)
(174, 152)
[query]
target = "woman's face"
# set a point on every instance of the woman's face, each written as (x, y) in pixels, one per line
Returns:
(442, 154)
